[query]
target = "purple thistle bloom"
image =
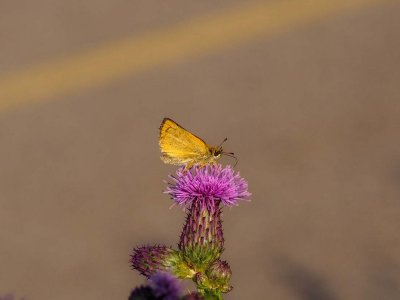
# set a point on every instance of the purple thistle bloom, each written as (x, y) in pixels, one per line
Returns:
(165, 286)
(8, 297)
(142, 293)
(211, 185)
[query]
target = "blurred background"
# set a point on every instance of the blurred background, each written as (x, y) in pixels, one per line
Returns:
(307, 92)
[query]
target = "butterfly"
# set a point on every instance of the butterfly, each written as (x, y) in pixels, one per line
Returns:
(180, 147)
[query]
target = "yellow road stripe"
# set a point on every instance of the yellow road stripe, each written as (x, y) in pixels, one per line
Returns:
(165, 46)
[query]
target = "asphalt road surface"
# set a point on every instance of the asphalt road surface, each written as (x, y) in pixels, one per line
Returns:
(309, 100)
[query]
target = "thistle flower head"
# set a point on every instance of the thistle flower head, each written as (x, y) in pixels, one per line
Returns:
(165, 286)
(142, 293)
(211, 184)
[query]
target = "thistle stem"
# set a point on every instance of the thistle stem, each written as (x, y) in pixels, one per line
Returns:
(211, 294)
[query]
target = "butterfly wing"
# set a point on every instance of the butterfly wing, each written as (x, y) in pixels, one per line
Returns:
(179, 146)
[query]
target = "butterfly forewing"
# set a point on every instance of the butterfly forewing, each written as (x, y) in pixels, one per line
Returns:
(179, 146)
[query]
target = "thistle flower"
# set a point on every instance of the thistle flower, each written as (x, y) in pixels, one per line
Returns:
(142, 293)
(161, 286)
(203, 190)
(150, 259)
(165, 286)
(210, 185)
(9, 297)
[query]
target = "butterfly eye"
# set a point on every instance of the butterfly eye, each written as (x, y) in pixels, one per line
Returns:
(218, 152)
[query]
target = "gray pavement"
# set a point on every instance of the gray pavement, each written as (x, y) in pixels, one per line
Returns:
(313, 115)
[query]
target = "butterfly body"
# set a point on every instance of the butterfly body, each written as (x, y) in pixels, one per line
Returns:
(180, 147)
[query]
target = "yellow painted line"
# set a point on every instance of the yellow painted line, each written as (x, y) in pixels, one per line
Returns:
(165, 46)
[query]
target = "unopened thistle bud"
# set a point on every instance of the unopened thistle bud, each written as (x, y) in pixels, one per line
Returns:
(219, 274)
(150, 259)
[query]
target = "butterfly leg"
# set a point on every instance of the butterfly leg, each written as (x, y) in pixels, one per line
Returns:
(188, 166)
(203, 164)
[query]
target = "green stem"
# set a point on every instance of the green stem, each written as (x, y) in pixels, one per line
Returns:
(211, 294)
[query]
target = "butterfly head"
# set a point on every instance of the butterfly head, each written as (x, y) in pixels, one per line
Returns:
(216, 152)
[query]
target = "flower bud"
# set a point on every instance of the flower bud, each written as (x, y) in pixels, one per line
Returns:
(219, 274)
(149, 259)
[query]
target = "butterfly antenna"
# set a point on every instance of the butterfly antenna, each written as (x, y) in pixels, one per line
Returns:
(225, 139)
(231, 154)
